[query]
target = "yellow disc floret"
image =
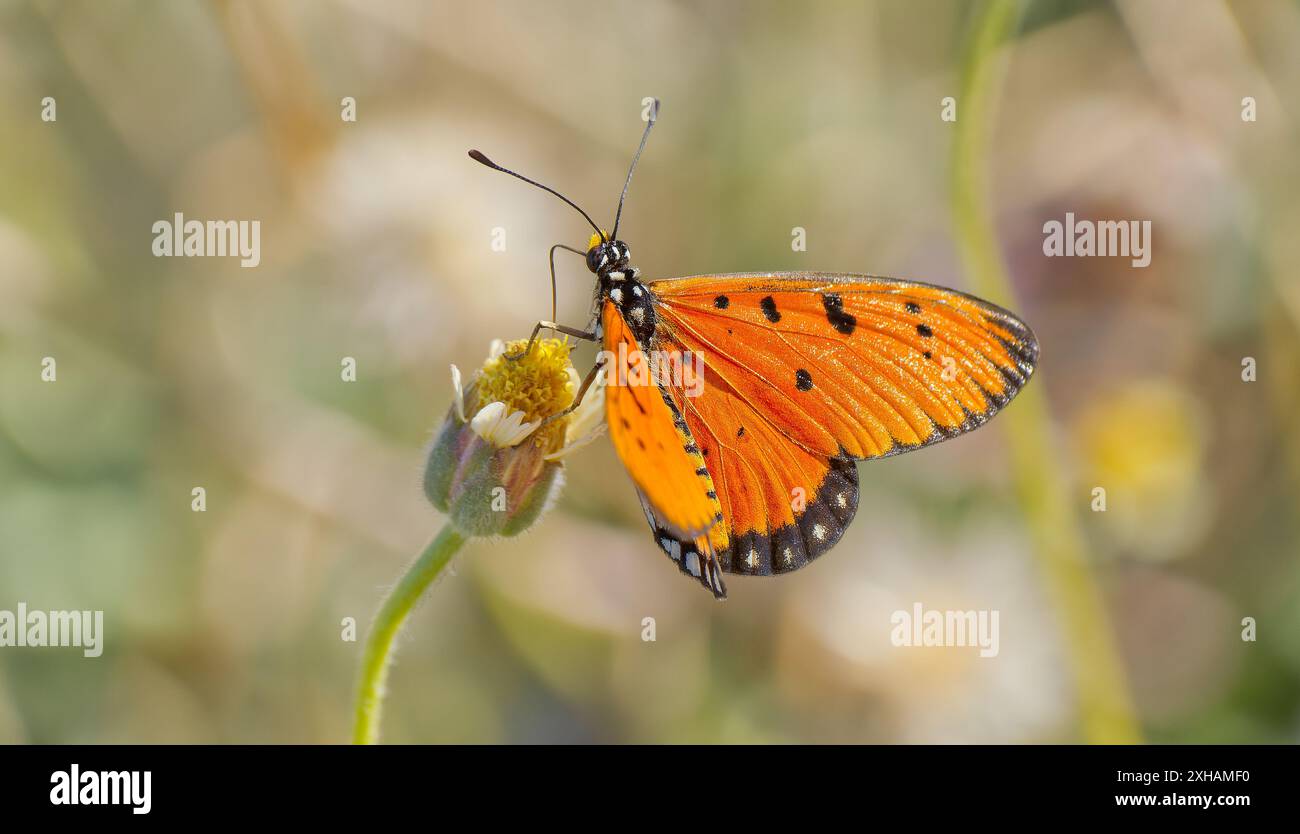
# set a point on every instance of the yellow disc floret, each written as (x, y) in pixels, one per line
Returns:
(538, 384)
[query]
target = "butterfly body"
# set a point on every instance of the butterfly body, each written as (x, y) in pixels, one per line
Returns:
(740, 403)
(800, 375)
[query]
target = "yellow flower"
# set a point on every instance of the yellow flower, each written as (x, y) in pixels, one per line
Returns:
(495, 465)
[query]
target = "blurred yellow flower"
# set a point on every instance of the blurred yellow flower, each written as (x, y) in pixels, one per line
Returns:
(1145, 446)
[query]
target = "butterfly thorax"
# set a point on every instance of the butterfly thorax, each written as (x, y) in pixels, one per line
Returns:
(632, 298)
(620, 283)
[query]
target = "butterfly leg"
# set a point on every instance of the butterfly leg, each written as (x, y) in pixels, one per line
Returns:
(552, 259)
(558, 328)
(577, 398)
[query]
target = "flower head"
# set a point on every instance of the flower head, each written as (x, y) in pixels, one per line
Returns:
(495, 465)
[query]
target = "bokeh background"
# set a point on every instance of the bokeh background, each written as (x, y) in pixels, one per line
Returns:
(225, 625)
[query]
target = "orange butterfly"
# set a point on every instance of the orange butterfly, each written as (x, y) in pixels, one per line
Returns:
(739, 403)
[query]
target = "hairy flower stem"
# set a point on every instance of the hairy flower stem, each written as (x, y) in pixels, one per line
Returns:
(388, 622)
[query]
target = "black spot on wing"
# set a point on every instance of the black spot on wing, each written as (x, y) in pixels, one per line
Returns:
(834, 305)
(924, 330)
(721, 302)
(913, 307)
(803, 380)
(768, 306)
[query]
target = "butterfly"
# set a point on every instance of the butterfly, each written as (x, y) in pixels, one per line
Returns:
(740, 403)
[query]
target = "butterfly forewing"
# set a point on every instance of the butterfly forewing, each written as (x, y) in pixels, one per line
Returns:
(663, 458)
(849, 364)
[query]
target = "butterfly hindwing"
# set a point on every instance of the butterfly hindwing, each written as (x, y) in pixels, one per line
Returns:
(783, 505)
(803, 373)
(817, 528)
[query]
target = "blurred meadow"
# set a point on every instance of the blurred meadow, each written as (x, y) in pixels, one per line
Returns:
(376, 244)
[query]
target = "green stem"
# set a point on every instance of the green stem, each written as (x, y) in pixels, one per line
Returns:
(1106, 713)
(388, 622)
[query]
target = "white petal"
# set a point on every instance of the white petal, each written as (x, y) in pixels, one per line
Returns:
(488, 418)
(494, 425)
(460, 393)
(513, 429)
(495, 349)
(510, 425)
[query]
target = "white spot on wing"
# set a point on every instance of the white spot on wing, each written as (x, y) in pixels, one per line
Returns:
(819, 532)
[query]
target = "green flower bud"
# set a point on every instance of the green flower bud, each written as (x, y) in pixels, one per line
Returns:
(495, 465)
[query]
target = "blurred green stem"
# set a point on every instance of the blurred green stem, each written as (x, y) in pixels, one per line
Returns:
(388, 622)
(1105, 710)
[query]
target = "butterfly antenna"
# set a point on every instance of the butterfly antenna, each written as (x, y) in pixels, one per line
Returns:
(478, 156)
(650, 122)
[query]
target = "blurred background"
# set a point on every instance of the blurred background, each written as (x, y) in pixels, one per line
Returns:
(377, 244)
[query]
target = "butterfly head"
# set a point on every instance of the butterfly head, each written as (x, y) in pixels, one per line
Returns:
(605, 256)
